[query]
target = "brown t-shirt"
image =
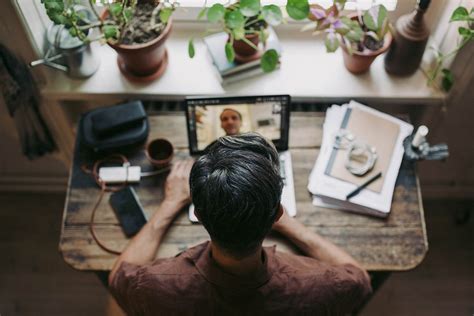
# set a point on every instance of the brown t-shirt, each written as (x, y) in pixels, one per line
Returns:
(193, 284)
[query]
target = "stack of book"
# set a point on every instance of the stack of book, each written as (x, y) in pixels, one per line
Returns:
(331, 182)
(228, 72)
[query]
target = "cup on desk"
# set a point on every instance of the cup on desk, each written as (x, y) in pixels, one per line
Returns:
(159, 152)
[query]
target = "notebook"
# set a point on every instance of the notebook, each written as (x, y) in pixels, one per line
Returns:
(364, 126)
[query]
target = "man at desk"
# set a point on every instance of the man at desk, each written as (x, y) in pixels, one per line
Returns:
(236, 188)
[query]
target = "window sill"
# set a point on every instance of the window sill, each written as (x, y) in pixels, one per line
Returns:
(307, 73)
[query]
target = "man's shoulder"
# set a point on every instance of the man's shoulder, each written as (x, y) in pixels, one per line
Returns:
(310, 283)
(309, 273)
(179, 265)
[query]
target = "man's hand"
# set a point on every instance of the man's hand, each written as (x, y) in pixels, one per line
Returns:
(177, 184)
(143, 247)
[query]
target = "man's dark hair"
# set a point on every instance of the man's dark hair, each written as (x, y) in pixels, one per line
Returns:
(236, 190)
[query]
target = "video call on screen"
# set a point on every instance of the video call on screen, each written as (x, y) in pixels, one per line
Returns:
(216, 120)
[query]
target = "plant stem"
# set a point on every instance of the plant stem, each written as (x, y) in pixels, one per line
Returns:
(91, 4)
(439, 63)
(249, 43)
(96, 24)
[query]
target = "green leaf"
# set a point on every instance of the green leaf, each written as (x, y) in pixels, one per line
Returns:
(297, 9)
(110, 32)
(229, 52)
(331, 42)
(115, 9)
(202, 13)
(460, 14)
(345, 27)
(464, 32)
(165, 14)
(215, 13)
(448, 79)
(54, 6)
(73, 32)
(375, 18)
(234, 19)
(128, 13)
(269, 60)
(356, 34)
(191, 50)
(58, 18)
(272, 14)
(249, 7)
(383, 16)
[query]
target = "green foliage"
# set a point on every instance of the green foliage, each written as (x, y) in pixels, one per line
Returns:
(460, 14)
(350, 32)
(115, 9)
(202, 13)
(55, 10)
(272, 14)
(165, 14)
(234, 19)
(376, 20)
(448, 79)
(331, 42)
(242, 19)
(73, 17)
(229, 52)
(238, 33)
(269, 60)
(111, 32)
(191, 50)
(297, 9)
(215, 13)
(250, 8)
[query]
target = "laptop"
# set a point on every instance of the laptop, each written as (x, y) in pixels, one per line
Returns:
(210, 118)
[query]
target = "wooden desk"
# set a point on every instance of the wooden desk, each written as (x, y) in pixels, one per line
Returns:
(393, 244)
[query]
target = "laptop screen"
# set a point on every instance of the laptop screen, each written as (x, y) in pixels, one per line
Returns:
(211, 118)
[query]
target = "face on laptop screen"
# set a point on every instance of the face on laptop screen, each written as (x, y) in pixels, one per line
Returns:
(211, 121)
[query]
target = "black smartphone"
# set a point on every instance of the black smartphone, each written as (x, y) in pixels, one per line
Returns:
(128, 209)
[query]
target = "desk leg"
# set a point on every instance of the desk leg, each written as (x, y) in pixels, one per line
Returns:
(103, 277)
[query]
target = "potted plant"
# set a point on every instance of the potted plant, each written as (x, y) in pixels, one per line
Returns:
(362, 36)
(466, 33)
(246, 23)
(136, 29)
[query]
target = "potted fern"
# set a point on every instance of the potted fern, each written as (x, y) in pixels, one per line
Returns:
(245, 23)
(136, 29)
(362, 36)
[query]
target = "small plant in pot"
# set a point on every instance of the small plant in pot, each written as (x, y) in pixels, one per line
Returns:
(136, 29)
(362, 37)
(246, 23)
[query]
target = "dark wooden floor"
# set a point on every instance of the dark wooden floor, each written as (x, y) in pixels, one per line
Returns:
(35, 281)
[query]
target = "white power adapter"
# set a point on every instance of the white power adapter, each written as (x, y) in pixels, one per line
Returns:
(123, 174)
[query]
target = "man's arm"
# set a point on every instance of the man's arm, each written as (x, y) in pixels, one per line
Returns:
(143, 247)
(312, 244)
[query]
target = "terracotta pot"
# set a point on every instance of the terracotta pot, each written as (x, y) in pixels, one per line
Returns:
(359, 62)
(143, 62)
(243, 51)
